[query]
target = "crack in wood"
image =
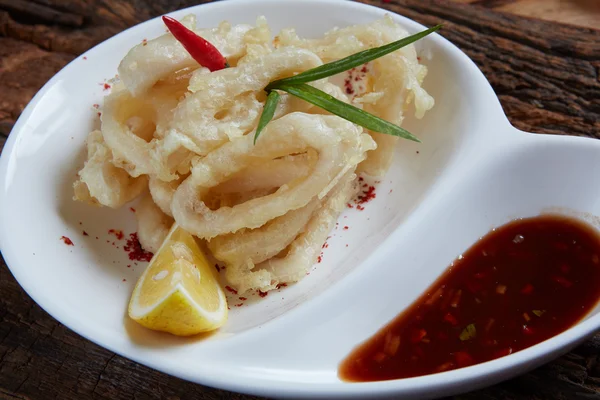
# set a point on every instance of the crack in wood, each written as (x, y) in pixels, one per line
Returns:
(102, 371)
(36, 13)
(6, 395)
(18, 389)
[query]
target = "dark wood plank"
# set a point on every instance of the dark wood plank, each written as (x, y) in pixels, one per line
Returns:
(548, 80)
(41, 359)
(584, 13)
(19, 79)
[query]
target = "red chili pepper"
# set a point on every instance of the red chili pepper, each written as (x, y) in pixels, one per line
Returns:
(463, 358)
(562, 281)
(527, 330)
(418, 335)
(527, 289)
(503, 352)
(451, 319)
(201, 50)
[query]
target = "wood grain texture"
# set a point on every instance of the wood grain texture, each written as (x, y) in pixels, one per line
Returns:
(585, 13)
(546, 75)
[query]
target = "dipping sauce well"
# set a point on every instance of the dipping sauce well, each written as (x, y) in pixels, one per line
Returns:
(519, 285)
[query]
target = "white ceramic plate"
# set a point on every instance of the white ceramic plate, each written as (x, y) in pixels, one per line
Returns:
(473, 172)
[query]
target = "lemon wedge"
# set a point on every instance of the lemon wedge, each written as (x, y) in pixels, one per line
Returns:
(179, 292)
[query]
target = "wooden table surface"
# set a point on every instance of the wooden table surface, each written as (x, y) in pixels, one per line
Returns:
(547, 76)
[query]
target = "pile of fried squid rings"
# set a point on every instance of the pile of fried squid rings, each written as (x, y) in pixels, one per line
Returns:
(181, 139)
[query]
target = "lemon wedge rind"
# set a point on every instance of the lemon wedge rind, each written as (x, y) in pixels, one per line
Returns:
(166, 303)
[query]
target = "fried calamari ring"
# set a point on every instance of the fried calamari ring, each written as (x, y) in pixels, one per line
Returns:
(377, 164)
(164, 97)
(397, 77)
(245, 185)
(226, 104)
(162, 193)
(133, 152)
(129, 125)
(232, 199)
(150, 61)
(305, 249)
(265, 242)
(270, 174)
(340, 145)
(100, 181)
(296, 259)
(153, 224)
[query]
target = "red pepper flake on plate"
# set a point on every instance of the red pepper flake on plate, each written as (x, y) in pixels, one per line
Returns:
(135, 250)
(118, 233)
(67, 241)
(367, 195)
(85, 233)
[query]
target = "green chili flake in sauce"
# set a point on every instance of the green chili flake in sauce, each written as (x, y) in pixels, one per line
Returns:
(468, 333)
(519, 285)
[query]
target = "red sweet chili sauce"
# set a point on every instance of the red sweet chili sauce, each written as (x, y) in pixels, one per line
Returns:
(519, 285)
